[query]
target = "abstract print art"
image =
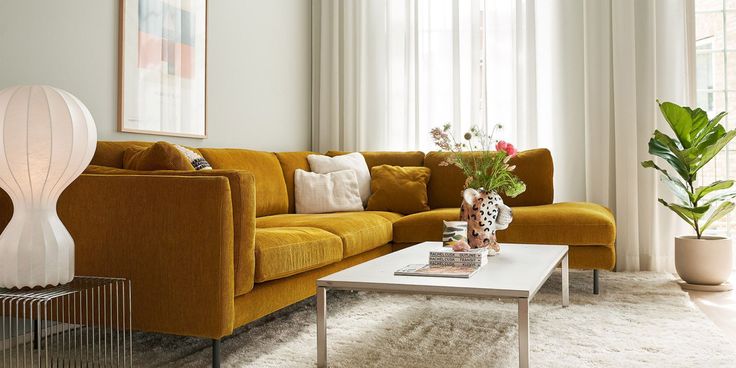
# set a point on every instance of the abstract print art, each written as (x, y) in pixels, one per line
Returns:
(163, 61)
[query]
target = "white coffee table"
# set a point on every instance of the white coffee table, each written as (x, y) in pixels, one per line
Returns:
(518, 272)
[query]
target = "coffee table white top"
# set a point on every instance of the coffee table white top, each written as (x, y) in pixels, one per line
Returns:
(518, 271)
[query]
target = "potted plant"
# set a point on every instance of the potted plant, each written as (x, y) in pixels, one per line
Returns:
(485, 163)
(699, 259)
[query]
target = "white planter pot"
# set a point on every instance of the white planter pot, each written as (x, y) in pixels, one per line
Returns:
(705, 261)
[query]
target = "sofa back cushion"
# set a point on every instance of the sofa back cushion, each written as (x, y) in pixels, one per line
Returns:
(400, 189)
(290, 161)
(159, 156)
(534, 167)
(110, 154)
(271, 195)
(377, 158)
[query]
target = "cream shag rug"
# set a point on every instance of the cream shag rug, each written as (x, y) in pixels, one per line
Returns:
(638, 320)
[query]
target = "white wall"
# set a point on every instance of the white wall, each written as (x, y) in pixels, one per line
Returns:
(258, 65)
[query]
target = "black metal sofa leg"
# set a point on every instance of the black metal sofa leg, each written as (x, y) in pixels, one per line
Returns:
(215, 353)
(596, 286)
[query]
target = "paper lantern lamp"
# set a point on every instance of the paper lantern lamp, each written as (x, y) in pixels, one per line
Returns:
(47, 139)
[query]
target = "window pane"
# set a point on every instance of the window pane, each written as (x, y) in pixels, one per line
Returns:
(701, 5)
(729, 73)
(709, 25)
(705, 100)
(713, 69)
(730, 35)
(715, 74)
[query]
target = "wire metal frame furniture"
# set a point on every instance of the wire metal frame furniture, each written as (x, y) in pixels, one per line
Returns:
(83, 323)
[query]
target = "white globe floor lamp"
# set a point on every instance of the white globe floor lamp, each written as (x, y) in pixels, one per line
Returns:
(47, 138)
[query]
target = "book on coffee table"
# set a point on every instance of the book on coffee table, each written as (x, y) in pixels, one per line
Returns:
(477, 257)
(436, 271)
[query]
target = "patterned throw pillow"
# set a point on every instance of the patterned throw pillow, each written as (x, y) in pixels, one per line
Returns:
(197, 161)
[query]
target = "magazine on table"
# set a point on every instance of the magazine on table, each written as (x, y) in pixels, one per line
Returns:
(436, 271)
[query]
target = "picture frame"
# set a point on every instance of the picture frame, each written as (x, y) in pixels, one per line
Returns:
(162, 65)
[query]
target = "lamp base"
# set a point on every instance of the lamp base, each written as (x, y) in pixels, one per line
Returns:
(35, 250)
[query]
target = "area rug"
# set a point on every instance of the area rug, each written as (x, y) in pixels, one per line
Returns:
(638, 320)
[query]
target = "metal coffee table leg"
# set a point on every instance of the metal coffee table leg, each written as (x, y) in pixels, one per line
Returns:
(565, 282)
(321, 327)
(523, 332)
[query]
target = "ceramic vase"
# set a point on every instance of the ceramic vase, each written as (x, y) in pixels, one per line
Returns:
(454, 231)
(485, 213)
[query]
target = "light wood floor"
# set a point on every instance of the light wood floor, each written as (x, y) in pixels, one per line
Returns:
(719, 307)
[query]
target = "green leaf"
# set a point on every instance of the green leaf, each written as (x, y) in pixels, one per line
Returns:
(651, 164)
(700, 120)
(710, 138)
(674, 146)
(676, 185)
(679, 120)
(719, 212)
(695, 213)
(661, 150)
(711, 151)
(709, 200)
(682, 215)
(701, 192)
(708, 129)
(682, 194)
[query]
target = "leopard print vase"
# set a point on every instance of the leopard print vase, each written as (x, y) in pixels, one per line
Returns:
(485, 213)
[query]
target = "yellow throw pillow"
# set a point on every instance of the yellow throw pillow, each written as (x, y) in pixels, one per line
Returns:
(159, 156)
(399, 189)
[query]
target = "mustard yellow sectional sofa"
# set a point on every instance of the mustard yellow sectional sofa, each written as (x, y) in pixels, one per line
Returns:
(209, 251)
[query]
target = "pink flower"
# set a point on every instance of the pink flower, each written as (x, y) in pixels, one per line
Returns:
(506, 147)
(461, 246)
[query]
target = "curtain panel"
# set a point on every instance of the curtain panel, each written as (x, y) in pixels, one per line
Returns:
(384, 72)
(635, 53)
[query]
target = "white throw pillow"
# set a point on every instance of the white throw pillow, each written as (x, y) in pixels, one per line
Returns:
(332, 192)
(352, 161)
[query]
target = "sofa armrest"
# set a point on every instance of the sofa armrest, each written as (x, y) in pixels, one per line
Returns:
(172, 236)
(243, 190)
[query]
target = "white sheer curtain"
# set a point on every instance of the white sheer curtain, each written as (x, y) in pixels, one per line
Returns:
(387, 71)
(578, 77)
(635, 52)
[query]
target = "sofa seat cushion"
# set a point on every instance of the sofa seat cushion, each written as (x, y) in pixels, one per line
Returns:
(570, 223)
(359, 231)
(286, 251)
(390, 216)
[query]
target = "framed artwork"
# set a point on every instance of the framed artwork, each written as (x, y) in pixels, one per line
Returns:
(163, 57)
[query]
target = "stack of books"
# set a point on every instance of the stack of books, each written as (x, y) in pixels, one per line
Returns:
(447, 263)
(476, 257)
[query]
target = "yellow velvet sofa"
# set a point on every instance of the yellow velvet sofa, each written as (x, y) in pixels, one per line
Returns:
(209, 251)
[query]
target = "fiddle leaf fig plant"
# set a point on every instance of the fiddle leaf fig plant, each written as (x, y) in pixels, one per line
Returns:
(697, 140)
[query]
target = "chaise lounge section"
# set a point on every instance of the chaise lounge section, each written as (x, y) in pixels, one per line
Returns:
(209, 251)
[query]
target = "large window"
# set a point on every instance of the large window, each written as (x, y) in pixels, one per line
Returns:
(715, 33)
